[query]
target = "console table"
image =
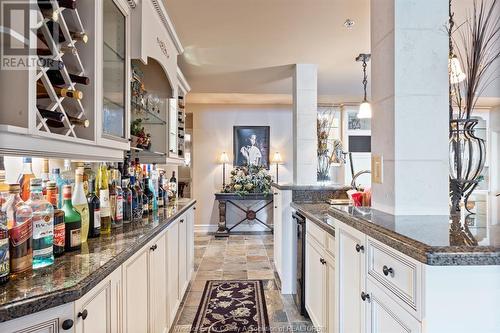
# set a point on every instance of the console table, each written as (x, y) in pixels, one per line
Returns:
(250, 214)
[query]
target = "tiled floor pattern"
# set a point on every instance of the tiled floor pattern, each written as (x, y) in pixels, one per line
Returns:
(240, 257)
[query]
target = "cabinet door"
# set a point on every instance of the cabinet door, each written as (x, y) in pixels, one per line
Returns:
(98, 310)
(315, 276)
(158, 276)
(190, 242)
(183, 282)
(350, 279)
(384, 315)
(48, 321)
(330, 293)
(277, 234)
(136, 292)
(173, 270)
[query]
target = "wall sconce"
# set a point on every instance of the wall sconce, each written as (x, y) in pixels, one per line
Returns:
(278, 160)
(224, 159)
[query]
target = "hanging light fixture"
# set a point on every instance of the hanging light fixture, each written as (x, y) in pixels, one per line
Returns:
(365, 109)
(454, 68)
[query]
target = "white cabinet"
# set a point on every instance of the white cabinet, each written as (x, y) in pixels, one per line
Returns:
(190, 242)
(384, 315)
(136, 286)
(315, 283)
(158, 280)
(173, 270)
(350, 278)
(98, 311)
(277, 232)
(55, 320)
(319, 280)
(183, 281)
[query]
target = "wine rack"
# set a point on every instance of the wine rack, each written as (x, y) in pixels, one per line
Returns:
(71, 108)
(181, 126)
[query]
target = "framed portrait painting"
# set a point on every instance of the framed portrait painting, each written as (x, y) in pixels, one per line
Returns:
(251, 145)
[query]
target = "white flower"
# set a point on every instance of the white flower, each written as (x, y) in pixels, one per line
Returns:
(225, 304)
(240, 312)
(226, 293)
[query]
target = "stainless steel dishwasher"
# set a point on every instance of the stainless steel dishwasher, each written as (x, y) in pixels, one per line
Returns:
(300, 296)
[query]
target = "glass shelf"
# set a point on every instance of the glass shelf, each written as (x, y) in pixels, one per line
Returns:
(158, 119)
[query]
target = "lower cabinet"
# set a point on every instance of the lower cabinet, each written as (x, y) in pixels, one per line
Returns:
(142, 295)
(98, 311)
(320, 284)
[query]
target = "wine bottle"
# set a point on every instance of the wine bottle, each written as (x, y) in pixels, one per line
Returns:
(62, 92)
(72, 222)
(49, 13)
(74, 121)
(104, 198)
(56, 78)
(79, 201)
(58, 35)
(53, 115)
(24, 179)
(95, 211)
(70, 4)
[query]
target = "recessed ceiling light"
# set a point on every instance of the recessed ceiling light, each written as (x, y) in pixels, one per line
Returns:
(349, 24)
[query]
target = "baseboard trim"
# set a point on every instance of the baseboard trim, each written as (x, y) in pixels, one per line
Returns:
(244, 227)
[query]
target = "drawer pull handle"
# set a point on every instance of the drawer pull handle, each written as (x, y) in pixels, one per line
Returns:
(323, 261)
(276, 207)
(387, 270)
(154, 247)
(182, 220)
(83, 314)
(67, 324)
(360, 248)
(365, 296)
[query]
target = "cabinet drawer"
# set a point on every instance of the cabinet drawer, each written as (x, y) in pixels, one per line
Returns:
(316, 232)
(396, 273)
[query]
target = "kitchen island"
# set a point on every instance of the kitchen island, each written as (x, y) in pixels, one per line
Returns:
(400, 273)
(164, 239)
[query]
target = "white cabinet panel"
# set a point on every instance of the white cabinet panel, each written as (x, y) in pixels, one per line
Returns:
(277, 234)
(190, 242)
(173, 270)
(315, 286)
(384, 315)
(183, 281)
(330, 294)
(158, 280)
(350, 278)
(136, 292)
(53, 320)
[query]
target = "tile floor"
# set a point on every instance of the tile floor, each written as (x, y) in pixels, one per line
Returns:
(239, 257)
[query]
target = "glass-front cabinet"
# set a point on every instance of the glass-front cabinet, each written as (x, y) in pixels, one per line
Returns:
(115, 87)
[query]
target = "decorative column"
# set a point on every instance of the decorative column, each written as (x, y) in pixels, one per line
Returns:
(409, 47)
(305, 145)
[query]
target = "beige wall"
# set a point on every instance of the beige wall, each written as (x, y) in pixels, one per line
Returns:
(213, 134)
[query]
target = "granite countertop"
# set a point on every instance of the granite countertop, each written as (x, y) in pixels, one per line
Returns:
(432, 240)
(310, 187)
(75, 273)
(316, 213)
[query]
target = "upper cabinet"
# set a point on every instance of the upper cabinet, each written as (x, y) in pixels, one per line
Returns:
(67, 85)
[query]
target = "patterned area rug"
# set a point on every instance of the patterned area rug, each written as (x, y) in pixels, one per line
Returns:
(232, 306)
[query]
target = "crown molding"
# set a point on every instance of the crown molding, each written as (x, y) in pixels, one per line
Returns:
(167, 22)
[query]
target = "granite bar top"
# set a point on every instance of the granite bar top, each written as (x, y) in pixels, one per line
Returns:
(316, 213)
(75, 273)
(432, 240)
(310, 187)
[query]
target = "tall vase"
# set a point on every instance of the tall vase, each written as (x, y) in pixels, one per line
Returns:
(467, 154)
(323, 167)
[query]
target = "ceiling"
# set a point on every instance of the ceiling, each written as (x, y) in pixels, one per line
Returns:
(247, 47)
(235, 48)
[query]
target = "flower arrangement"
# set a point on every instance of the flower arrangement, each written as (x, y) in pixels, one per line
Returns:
(249, 179)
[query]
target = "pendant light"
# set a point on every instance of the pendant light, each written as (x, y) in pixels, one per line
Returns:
(454, 68)
(365, 109)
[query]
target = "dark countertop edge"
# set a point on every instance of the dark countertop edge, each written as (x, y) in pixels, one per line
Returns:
(313, 218)
(311, 187)
(9, 311)
(426, 254)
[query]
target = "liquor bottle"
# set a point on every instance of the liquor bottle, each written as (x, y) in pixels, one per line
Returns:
(41, 92)
(153, 199)
(173, 184)
(68, 175)
(137, 170)
(155, 177)
(88, 176)
(70, 4)
(79, 201)
(127, 200)
(136, 200)
(72, 222)
(145, 199)
(58, 35)
(118, 212)
(59, 228)
(25, 177)
(149, 194)
(57, 78)
(19, 216)
(4, 238)
(43, 226)
(95, 211)
(56, 177)
(161, 192)
(112, 195)
(104, 198)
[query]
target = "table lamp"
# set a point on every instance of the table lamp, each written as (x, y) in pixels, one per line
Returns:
(224, 159)
(278, 160)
